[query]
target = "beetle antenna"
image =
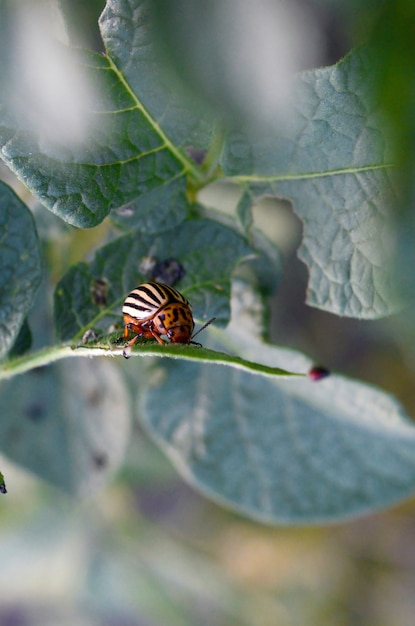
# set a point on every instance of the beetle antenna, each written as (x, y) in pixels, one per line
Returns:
(203, 328)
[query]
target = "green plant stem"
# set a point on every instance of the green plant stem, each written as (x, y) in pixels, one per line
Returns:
(33, 360)
(46, 356)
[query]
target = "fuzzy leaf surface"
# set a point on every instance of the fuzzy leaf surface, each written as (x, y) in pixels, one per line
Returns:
(130, 35)
(123, 155)
(281, 451)
(333, 159)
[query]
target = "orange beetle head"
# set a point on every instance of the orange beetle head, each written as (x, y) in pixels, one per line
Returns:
(182, 333)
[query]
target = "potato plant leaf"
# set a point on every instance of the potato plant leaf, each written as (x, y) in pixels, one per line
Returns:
(60, 424)
(207, 251)
(123, 154)
(334, 161)
(281, 451)
(130, 36)
(20, 263)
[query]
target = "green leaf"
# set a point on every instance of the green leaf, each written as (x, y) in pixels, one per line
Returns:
(104, 348)
(20, 264)
(155, 211)
(60, 425)
(208, 252)
(2, 484)
(333, 160)
(130, 37)
(197, 354)
(123, 154)
(23, 340)
(281, 451)
(75, 308)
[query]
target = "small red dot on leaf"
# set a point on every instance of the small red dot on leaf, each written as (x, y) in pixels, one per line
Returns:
(318, 372)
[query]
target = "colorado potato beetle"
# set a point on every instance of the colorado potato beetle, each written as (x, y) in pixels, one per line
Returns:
(154, 310)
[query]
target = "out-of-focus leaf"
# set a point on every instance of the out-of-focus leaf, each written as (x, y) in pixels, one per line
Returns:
(129, 34)
(333, 160)
(237, 55)
(393, 46)
(122, 156)
(124, 150)
(69, 425)
(281, 451)
(20, 266)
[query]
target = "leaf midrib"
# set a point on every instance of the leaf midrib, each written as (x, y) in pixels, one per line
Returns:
(188, 165)
(255, 178)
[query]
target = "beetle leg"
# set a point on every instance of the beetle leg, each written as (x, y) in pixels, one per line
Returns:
(149, 328)
(135, 328)
(157, 337)
(127, 328)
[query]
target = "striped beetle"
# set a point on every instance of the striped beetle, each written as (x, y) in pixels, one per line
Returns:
(155, 309)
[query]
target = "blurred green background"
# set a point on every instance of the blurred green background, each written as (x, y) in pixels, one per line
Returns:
(148, 550)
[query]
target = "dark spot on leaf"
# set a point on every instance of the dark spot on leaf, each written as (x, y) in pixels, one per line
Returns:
(169, 271)
(94, 396)
(99, 289)
(100, 460)
(196, 154)
(35, 412)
